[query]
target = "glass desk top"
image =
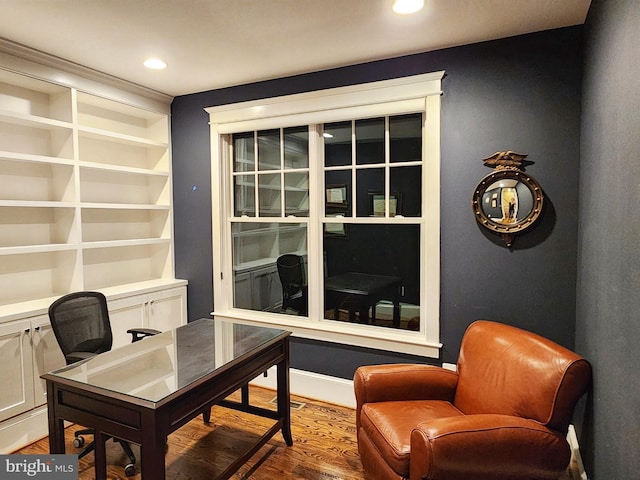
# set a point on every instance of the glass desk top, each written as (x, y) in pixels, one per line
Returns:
(160, 365)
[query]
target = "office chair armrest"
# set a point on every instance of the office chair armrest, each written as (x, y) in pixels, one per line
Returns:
(477, 446)
(74, 357)
(140, 333)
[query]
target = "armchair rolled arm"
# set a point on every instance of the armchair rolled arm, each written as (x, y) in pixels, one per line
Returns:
(140, 333)
(382, 383)
(519, 448)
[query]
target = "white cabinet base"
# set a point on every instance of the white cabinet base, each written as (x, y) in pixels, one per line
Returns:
(160, 307)
(24, 429)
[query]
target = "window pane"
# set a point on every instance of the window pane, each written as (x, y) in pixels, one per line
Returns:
(243, 152)
(269, 150)
(370, 141)
(244, 195)
(296, 194)
(338, 193)
(372, 275)
(257, 284)
(296, 147)
(405, 138)
(406, 184)
(337, 144)
(368, 182)
(269, 194)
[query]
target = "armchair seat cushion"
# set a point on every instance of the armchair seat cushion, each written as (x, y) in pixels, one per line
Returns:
(388, 426)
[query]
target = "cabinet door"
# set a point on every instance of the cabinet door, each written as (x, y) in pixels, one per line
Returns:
(242, 297)
(266, 289)
(47, 355)
(167, 309)
(16, 374)
(126, 313)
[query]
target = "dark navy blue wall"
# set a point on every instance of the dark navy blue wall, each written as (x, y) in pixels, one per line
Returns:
(521, 93)
(608, 298)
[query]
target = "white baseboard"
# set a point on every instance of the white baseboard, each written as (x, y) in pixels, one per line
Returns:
(315, 386)
(576, 458)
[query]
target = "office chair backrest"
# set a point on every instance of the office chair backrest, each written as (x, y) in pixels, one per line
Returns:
(291, 272)
(80, 322)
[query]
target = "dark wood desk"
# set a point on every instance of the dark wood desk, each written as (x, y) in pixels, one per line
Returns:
(144, 391)
(359, 291)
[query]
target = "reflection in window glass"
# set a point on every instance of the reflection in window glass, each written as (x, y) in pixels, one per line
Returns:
(244, 195)
(243, 149)
(337, 193)
(368, 182)
(337, 144)
(405, 138)
(257, 282)
(370, 141)
(269, 194)
(296, 147)
(405, 183)
(372, 275)
(269, 150)
(296, 194)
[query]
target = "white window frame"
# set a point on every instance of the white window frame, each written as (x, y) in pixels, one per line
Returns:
(418, 93)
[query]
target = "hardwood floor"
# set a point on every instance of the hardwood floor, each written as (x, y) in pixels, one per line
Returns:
(324, 447)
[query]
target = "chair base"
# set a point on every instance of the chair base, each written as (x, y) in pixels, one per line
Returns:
(79, 441)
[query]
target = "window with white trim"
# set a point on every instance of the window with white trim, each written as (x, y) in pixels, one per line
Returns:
(326, 213)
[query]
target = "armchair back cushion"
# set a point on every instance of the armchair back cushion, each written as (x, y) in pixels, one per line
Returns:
(503, 371)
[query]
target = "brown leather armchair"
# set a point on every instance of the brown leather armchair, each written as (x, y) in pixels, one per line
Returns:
(503, 415)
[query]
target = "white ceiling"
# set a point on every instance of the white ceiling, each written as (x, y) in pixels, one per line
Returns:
(210, 44)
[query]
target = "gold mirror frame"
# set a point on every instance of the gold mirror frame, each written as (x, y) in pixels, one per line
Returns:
(507, 177)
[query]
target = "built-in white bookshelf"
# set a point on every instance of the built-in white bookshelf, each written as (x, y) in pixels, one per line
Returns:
(85, 204)
(85, 193)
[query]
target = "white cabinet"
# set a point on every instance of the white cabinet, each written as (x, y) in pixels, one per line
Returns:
(17, 369)
(47, 355)
(28, 349)
(258, 288)
(161, 310)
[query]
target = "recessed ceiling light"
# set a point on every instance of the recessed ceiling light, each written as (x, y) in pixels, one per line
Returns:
(405, 7)
(155, 64)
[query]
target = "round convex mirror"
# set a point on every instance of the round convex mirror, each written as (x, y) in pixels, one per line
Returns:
(507, 202)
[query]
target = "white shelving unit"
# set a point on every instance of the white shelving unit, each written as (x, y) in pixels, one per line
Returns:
(85, 204)
(85, 193)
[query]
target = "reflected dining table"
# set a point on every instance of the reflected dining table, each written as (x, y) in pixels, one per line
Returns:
(363, 290)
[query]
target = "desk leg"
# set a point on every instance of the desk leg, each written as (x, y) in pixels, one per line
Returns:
(284, 396)
(56, 425)
(152, 450)
(100, 452)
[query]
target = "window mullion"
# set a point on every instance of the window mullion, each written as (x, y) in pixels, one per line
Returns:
(387, 169)
(256, 177)
(354, 171)
(315, 267)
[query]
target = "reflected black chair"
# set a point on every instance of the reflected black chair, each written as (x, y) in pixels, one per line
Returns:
(294, 287)
(80, 322)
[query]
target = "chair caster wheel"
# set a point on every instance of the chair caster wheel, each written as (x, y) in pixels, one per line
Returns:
(130, 470)
(78, 441)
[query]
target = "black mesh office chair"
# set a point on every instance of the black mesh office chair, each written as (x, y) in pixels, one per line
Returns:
(294, 287)
(80, 322)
